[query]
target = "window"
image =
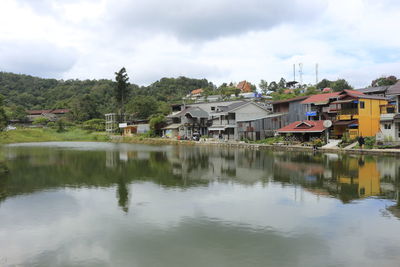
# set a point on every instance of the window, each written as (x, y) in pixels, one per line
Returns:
(362, 104)
(213, 108)
(388, 126)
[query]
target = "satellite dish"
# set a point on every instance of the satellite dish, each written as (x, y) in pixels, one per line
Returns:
(327, 123)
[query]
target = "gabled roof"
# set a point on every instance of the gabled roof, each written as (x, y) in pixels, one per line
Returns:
(298, 98)
(394, 89)
(47, 111)
(195, 112)
(320, 98)
(369, 90)
(244, 86)
(197, 91)
(305, 126)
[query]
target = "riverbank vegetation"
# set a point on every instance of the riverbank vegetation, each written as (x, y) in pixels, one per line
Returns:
(24, 135)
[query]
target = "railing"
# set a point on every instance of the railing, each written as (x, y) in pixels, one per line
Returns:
(348, 112)
(225, 122)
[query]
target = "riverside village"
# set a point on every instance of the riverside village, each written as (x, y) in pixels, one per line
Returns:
(331, 119)
(213, 133)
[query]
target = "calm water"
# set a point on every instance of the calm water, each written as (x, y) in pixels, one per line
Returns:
(100, 204)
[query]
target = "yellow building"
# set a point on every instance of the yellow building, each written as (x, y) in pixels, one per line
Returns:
(358, 115)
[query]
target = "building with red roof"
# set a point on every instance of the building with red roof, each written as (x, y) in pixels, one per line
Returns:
(304, 130)
(51, 114)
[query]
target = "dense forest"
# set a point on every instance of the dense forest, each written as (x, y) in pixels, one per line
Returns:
(90, 99)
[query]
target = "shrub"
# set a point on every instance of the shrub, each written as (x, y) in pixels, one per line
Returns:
(369, 142)
(51, 124)
(156, 123)
(40, 121)
(94, 125)
(60, 125)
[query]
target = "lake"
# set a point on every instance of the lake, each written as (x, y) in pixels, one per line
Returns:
(104, 204)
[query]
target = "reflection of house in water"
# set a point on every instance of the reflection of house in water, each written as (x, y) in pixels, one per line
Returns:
(364, 179)
(343, 176)
(211, 163)
(113, 157)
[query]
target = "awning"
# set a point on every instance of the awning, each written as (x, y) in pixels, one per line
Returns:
(344, 101)
(172, 126)
(345, 123)
(324, 102)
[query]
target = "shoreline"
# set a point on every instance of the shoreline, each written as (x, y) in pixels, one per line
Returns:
(163, 141)
(160, 141)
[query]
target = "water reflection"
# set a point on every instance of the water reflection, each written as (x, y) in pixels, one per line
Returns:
(125, 205)
(347, 177)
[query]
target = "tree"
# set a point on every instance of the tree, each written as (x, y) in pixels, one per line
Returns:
(164, 108)
(84, 108)
(340, 85)
(121, 89)
(263, 86)
(157, 122)
(3, 117)
(282, 83)
(384, 81)
(273, 86)
(324, 83)
(18, 113)
(60, 125)
(143, 106)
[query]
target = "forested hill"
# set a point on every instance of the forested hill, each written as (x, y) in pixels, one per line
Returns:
(95, 95)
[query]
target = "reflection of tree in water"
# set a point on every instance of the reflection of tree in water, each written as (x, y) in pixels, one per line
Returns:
(123, 194)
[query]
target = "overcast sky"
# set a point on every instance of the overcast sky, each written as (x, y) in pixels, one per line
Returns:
(221, 40)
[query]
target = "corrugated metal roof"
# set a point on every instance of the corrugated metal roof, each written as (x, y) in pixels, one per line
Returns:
(303, 127)
(378, 89)
(394, 89)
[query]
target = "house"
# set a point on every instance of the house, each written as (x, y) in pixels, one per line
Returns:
(135, 127)
(375, 91)
(191, 120)
(390, 116)
(261, 128)
(305, 130)
(244, 86)
(352, 112)
(50, 114)
(358, 115)
(231, 121)
(293, 107)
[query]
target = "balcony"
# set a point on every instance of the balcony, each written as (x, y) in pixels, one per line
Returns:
(347, 114)
(226, 122)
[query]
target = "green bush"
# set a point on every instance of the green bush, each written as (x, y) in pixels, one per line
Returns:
(40, 121)
(369, 142)
(94, 125)
(60, 125)
(51, 124)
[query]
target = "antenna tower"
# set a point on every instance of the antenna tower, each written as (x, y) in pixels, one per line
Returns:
(294, 72)
(301, 73)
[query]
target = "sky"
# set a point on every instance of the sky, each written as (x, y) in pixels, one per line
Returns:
(220, 40)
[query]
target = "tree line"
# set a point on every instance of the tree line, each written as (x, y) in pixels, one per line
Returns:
(91, 99)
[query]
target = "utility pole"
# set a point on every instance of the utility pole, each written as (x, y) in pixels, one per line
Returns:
(316, 73)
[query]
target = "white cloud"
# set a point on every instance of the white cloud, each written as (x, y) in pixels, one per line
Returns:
(216, 40)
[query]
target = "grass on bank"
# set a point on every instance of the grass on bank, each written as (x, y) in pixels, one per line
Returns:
(24, 135)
